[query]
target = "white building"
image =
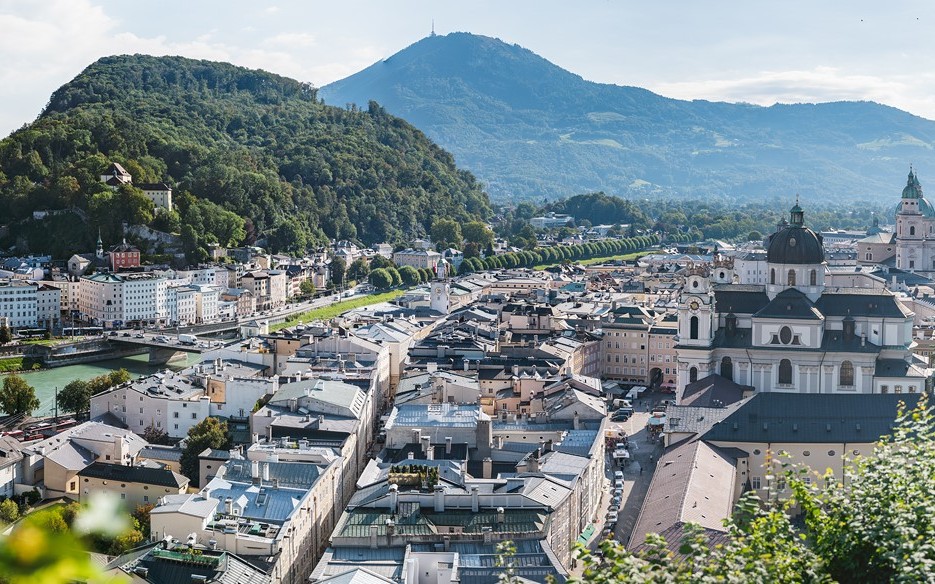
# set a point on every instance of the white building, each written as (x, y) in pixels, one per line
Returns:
(551, 220)
(793, 334)
(48, 306)
(417, 258)
(116, 299)
(18, 303)
(182, 305)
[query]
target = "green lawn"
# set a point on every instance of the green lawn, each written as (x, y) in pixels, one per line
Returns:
(333, 310)
(11, 364)
(601, 260)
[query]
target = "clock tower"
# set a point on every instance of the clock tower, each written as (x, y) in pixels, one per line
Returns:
(696, 312)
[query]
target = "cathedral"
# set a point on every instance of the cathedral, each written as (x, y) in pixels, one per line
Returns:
(915, 230)
(795, 334)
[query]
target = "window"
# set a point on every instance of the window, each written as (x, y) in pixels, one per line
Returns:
(912, 264)
(194, 415)
(772, 275)
(846, 377)
(780, 483)
(755, 483)
(897, 389)
(727, 369)
(912, 230)
(791, 279)
(175, 414)
(693, 328)
(785, 335)
(693, 375)
(785, 372)
(813, 278)
(884, 389)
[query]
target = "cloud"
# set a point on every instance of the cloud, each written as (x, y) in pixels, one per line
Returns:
(291, 40)
(820, 84)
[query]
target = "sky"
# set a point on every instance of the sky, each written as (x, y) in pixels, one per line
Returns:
(755, 52)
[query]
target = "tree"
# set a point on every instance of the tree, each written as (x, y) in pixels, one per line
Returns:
(208, 433)
(409, 275)
(379, 261)
(5, 335)
(380, 279)
(17, 396)
(155, 435)
(478, 233)
(9, 511)
(394, 276)
(75, 397)
(338, 269)
(307, 288)
(755, 236)
(359, 269)
(446, 233)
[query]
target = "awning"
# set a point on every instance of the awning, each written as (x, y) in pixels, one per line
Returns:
(585, 536)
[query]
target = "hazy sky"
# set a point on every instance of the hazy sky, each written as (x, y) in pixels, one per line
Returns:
(758, 52)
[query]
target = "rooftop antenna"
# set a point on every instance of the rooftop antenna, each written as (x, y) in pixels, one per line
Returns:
(433, 28)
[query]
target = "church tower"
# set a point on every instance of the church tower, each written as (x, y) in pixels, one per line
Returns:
(440, 301)
(914, 219)
(99, 252)
(696, 312)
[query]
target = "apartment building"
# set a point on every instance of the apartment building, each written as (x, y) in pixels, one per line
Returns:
(18, 303)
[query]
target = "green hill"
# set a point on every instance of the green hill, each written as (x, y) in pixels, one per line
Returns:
(250, 155)
(528, 128)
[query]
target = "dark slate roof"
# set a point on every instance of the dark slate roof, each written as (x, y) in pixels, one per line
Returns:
(795, 245)
(791, 304)
(160, 186)
(713, 391)
(860, 302)
(810, 418)
(134, 474)
(171, 568)
(161, 453)
(740, 299)
(896, 368)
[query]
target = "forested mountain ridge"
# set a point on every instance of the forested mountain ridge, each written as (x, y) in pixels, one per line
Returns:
(250, 154)
(530, 129)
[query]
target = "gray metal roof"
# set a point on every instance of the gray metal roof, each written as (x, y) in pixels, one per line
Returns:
(811, 418)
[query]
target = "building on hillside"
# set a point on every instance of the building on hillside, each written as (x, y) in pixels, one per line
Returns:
(123, 256)
(159, 193)
(795, 334)
(551, 221)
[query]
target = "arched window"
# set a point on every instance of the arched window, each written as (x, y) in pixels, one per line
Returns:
(785, 372)
(847, 374)
(693, 375)
(791, 280)
(693, 328)
(912, 230)
(772, 275)
(727, 368)
(869, 256)
(813, 278)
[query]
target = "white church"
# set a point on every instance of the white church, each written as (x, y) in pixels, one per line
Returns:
(795, 334)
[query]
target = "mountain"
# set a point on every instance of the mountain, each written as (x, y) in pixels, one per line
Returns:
(528, 128)
(249, 154)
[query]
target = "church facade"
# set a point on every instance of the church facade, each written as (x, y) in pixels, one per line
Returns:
(792, 334)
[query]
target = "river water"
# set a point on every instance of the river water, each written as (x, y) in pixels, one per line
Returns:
(47, 380)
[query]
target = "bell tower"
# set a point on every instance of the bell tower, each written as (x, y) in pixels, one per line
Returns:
(696, 312)
(440, 301)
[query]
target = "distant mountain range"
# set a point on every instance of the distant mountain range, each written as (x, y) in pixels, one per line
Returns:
(529, 129)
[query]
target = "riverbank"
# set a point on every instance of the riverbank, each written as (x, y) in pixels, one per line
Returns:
(47, 380)
(333, 310)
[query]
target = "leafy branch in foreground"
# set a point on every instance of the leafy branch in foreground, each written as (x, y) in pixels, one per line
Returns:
(872, 525)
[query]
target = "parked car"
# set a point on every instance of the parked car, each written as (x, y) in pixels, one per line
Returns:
(618, 475)
(621, 415)
(612, 517)
(618, 484)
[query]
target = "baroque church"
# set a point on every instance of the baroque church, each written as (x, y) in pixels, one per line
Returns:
(796, 334)
(915, 230)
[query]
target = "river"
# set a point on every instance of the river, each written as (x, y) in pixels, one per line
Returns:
(47, 380)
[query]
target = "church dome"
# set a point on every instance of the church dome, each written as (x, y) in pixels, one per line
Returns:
(913, 190)
(795, 243)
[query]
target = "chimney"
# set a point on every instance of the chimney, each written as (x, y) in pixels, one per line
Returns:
(426, 445)
(254, 438)
(533, 464)
(488, 535)
(448, 445)
(488, 468)
(119, 451)
(466, 365)
(374, 533)
(501, 516)
(269, 431)
(390, 528)
(439, 499)
(515, 369)
(266, 471)
(394, 498)
(475, 499)
(411, 455)
(417, 436)
(229, 506)
(576, 422)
